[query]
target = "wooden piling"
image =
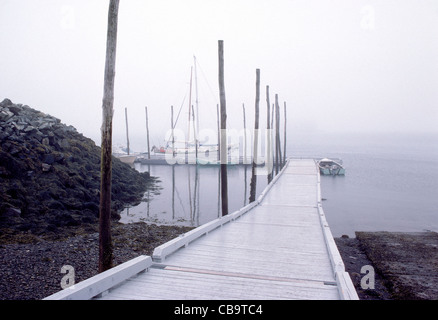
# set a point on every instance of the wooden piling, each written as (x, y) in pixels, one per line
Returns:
(172, 124)
(147, 132)
(277, 136)
(127, 130)
(105, 243)
(268, 136)
(284, 129)
(223, 142)
(253, 185)
(244, 135)
(218, 134)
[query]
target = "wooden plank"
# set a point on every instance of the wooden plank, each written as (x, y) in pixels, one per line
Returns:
(169, 247)
(171, 284)
(94, 286)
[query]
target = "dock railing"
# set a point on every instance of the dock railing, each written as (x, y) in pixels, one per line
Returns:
(99, 284)
(343, 280)
(160, 252)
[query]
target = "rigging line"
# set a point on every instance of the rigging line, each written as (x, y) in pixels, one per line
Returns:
(177, 117)
(180, 201)
(208, 84)
(180, 108)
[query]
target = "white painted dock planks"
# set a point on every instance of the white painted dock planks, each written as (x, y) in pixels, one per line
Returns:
(275, 251)
(280, 249)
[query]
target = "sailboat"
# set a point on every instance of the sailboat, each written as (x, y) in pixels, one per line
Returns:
(124, 154)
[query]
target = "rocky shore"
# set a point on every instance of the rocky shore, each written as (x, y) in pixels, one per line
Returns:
(405, 264)
(50, 175)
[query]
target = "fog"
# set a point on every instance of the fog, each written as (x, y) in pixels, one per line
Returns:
(340, 66)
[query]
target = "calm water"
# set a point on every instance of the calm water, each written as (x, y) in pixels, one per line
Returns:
(391, 184)
(189, 195)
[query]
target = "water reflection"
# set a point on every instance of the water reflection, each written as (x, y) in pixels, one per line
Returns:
(189, 195)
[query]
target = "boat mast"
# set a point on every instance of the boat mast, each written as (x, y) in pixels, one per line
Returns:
(190, 107)
(197, 109)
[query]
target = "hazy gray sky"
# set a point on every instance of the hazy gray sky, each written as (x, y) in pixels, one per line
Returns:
(340, 65)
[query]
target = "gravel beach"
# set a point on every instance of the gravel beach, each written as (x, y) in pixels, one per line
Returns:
(31, 270)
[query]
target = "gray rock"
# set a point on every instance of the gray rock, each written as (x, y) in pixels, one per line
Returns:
(5, 103)
(5, 115)
(14, 109)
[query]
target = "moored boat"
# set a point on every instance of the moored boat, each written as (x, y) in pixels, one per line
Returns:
(129, 159)
(330, 167)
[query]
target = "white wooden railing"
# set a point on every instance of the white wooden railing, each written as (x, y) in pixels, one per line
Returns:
(343, 280)
(160, 253)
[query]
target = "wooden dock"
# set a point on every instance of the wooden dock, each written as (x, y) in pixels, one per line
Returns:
(278, 247)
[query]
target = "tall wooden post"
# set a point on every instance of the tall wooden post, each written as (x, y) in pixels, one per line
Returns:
(244, 135)
(127, 130)
(278, 132)
(172, 124)
(218, 134)
(223, 143)
(105, 243)
(272, 118)
(253, 184)
(269, 135)
(277, 136)
(284, 142)
(147, 131)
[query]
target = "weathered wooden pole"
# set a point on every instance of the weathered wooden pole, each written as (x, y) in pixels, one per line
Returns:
(273, 143)
(253, 183)
(244, 135)
(147, 132)
(272, 118)
(172, 124)
(127, 130)
(105, 243)
(280, 158)
(284, 129)
(223, 142)
(277, 136)
(268, 136)
(218, 134)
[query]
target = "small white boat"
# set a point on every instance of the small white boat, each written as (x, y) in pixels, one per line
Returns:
(330, 167)
(129, 159)
(120, 153)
